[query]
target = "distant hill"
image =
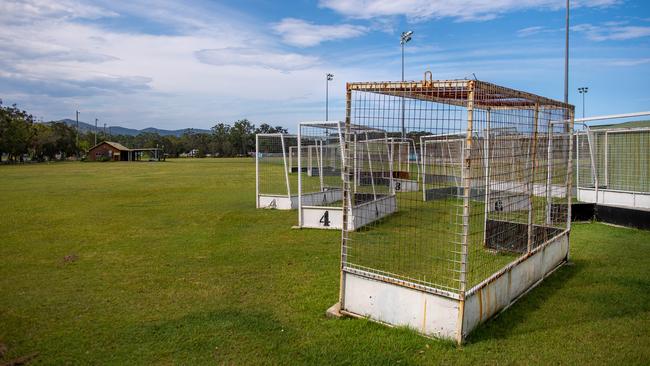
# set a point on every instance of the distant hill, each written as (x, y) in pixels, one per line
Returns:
(119, 130)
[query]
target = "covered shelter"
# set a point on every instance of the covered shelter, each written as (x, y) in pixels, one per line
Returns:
(114, 151)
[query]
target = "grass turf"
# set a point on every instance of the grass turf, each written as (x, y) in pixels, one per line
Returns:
(175, 266)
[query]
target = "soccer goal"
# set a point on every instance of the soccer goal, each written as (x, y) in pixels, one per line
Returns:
(492, 217)
(321, 184)
(293, 159)
(405, 164)
(442, 161)
(275, 186)
(613, 161)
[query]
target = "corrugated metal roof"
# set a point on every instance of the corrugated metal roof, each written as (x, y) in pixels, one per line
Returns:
(116, 145)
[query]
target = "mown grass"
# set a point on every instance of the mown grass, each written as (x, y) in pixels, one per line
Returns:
(172, 264)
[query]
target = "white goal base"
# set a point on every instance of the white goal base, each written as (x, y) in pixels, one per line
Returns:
(277, 202)
(436, 313)
(615, 198)
(323, 217)
(405, 185)
(322, 198)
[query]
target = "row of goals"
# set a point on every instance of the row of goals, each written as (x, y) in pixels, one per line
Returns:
(453, 197)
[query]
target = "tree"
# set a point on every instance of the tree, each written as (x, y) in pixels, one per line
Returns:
(266, 128)
(44, 143)
(221, 140)
(242, 136)
(66, 143)
(16, 131)
(280, 129)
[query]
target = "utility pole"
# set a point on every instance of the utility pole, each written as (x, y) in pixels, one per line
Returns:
(105, 131)
(328, 78)
(96, 120)
(77, 134)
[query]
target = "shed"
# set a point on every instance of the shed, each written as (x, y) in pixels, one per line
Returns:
(114, 151)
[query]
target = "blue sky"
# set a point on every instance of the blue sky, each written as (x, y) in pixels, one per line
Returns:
(192, 63)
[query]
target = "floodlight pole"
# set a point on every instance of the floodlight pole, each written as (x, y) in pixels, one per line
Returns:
(96, 120)
(405, 37)
(583, 90)
(328, 78)
(566, 60)
(566, 56)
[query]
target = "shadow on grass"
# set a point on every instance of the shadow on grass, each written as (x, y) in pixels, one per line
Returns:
(534, 311)
(225, 335)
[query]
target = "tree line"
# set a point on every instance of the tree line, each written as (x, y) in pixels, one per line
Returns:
(21, 136)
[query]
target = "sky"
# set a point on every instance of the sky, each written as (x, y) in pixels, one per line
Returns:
(193, 63)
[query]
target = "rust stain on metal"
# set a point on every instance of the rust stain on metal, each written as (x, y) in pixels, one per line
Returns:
(509, 282)
(480, 306)
(487, 300)
(424, 317)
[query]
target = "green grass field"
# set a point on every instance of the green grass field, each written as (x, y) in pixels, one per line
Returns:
(170, 263)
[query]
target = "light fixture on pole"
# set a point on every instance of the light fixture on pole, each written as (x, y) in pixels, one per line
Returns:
(329, 77)
(583, 90)
(404, 39)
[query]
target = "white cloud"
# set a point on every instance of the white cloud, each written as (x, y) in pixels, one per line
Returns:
(529, 31)
(206, 65)
(630, 62)
(612, 31)
(249, 57)
(465, 10)
(55, 64)
(300, 33)
(12, 11)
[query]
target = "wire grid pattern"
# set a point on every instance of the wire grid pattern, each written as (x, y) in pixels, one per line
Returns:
(442, 161)
(321, 159)
(628, 154)
(274, 173)
(370, 161)
(585, 169)
(495, 178)
(293, 159)
(621, 159)
(405, 158)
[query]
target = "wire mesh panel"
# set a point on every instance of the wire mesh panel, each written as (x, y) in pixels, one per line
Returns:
(442, 165)
(405, 164)
(628, 160)
(613, 166)
(321, 151)
(293, 159)
(585, 170)
(401, 153)
(275, 184)
(374, 169)
(496, 177)
(321, 194)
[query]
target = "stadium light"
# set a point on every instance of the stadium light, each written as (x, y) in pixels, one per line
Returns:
(583, 90)
(404, 39)
(329, 77)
